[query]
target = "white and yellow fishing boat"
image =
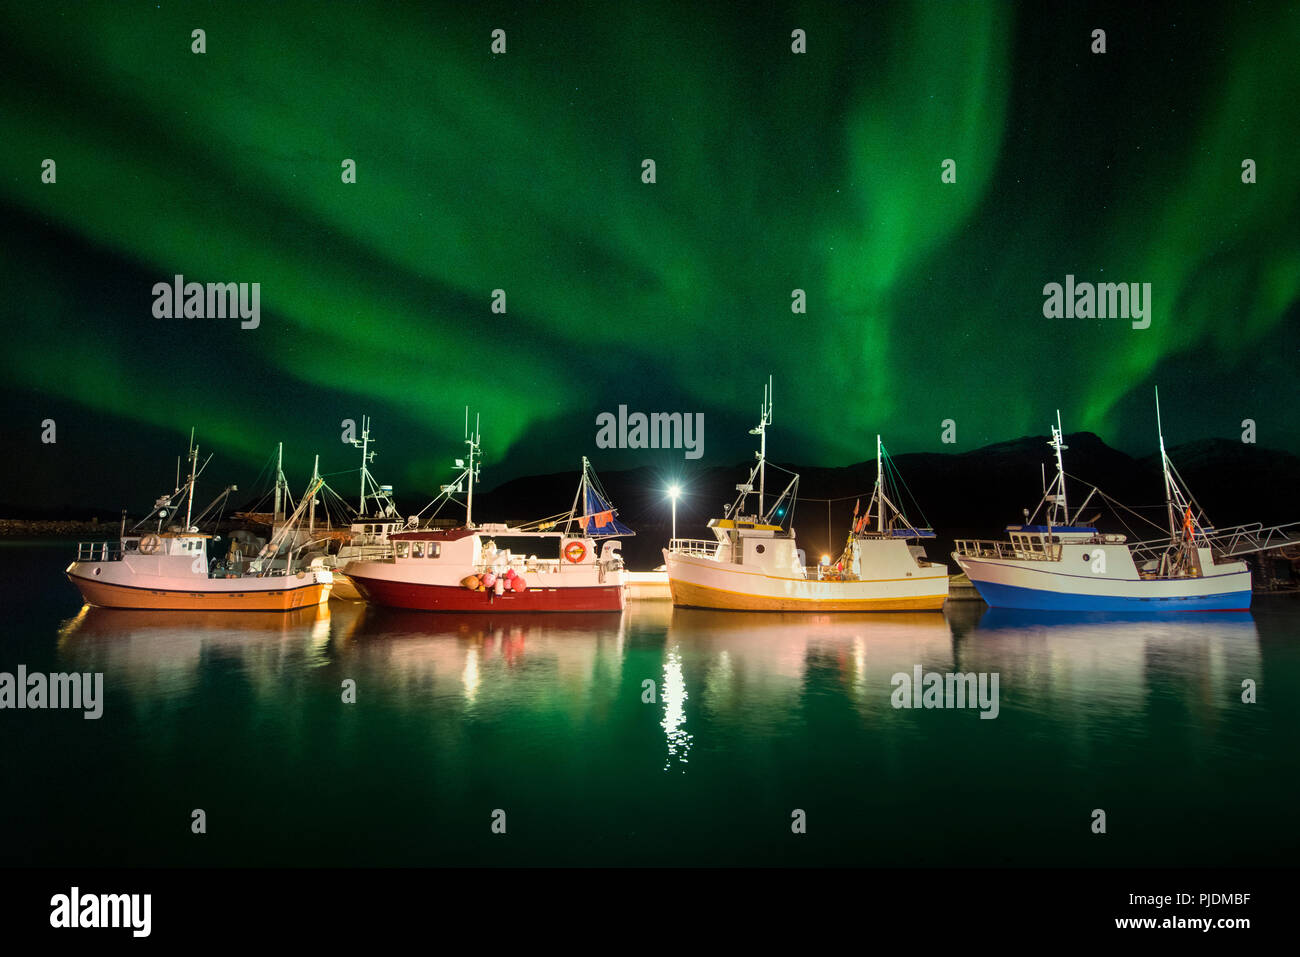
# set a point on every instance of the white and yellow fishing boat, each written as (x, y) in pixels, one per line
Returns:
(754, 563)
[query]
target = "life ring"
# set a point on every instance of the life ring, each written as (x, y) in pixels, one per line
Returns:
(150, 544)
(575, 552)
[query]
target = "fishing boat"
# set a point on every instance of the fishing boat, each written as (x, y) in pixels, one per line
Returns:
(169, 566)
(754, 563)
(496, 567)
(375, 520)
(1057, 563)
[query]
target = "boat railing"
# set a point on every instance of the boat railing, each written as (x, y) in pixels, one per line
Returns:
(827, 573)
(99, 551)
(377, 552)
(694, 547)
(986, 548)
(1230, 542)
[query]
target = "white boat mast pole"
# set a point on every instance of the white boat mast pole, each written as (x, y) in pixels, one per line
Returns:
(365, 462)
(311, 513)
(580, 500)
(473, 443)
(189, 504)
(764, 420)
(1058, 445)
(880, 489)
(1164, 467)
(279, 476)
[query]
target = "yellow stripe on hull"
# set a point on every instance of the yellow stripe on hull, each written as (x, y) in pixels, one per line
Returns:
(106, 595)
(690, 595)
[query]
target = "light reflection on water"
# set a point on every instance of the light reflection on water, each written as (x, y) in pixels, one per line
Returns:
(751, 667)
(749, 707)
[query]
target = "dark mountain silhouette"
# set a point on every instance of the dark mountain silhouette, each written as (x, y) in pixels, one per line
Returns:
(972, 494)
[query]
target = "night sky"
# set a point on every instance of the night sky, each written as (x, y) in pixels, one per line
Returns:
(522, 171)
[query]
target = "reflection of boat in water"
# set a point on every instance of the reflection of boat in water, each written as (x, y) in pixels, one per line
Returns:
(569, 662)
(96, 624)
(997, 619)
(166, 650)
(1109, 663)
(782, 643)
(378, 621)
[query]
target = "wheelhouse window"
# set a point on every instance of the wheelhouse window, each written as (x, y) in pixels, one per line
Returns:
(417, 549)
(403, 549)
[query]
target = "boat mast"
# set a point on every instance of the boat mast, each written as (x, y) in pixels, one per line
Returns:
(472, 470)
(1164, 467)
(279, 479)
(764, 420)
(194, 458)
(1059, 499)
(311, 513)
(580, 499)
(880, 490)
(366, 457)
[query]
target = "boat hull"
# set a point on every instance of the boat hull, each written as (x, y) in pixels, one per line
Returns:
(700, 583)
(1005, 584)
(105, 594)
(419, 596)
(344, 589)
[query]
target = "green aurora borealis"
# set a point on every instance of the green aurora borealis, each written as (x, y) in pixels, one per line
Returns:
(522, 171)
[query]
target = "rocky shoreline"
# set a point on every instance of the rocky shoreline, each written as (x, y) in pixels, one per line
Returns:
(53, 528)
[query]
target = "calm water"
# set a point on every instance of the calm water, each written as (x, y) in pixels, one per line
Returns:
(755, 716)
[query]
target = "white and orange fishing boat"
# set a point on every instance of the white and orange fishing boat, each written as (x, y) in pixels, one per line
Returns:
(169, 567)
(754, 563)
(552, 565)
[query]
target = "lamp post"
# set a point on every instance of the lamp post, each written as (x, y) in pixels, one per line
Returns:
(673, 492)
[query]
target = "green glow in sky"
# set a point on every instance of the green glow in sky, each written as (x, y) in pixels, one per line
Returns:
(775, 172)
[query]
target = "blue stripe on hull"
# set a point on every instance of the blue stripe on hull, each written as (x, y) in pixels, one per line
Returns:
(1013, 596)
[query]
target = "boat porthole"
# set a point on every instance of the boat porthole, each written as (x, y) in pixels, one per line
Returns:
(759, 549)
(1085, 556)
(97, 569)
